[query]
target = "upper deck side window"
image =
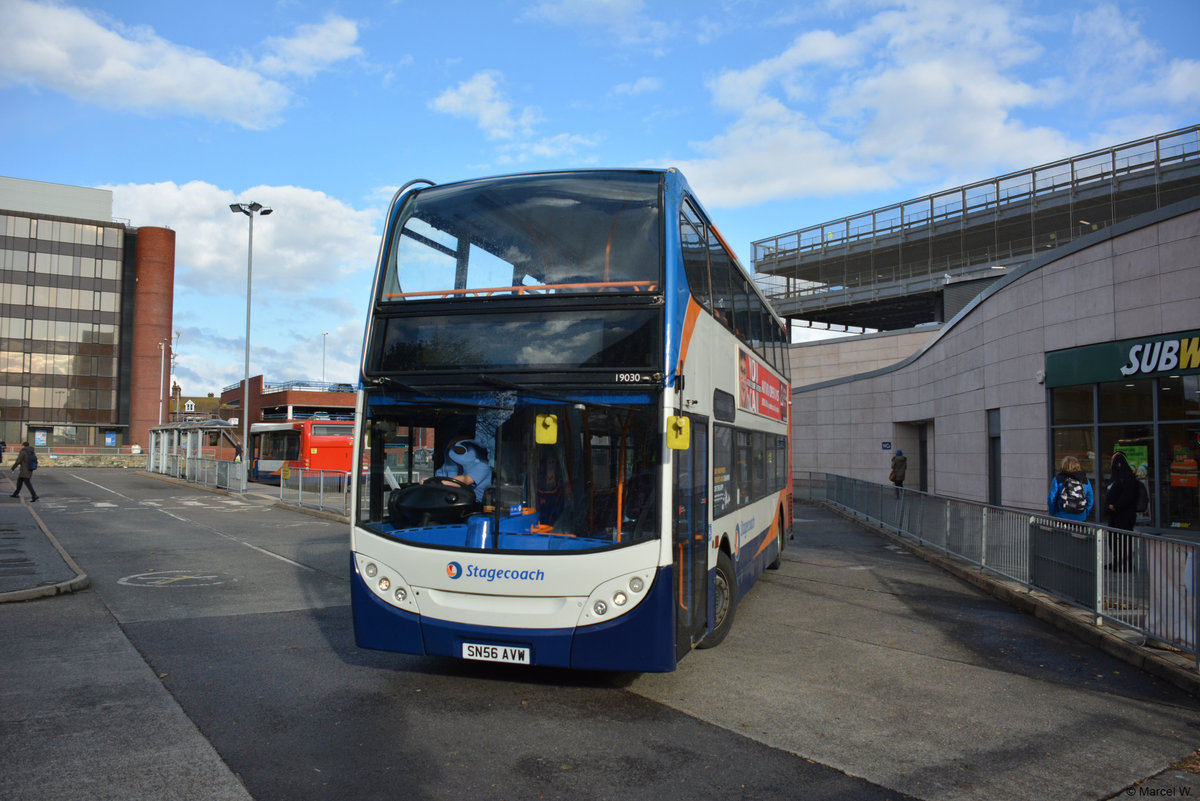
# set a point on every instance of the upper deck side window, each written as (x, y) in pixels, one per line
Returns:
(718, 283)
(528, 235)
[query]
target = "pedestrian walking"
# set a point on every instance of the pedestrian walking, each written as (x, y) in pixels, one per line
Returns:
(899, 467)
(26, 463)
(1071, 496)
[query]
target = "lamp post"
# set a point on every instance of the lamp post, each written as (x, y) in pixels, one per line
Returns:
(324, 334)
(162, 363)
(249, 209)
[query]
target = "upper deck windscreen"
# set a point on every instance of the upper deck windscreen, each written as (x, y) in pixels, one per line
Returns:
(526, 235)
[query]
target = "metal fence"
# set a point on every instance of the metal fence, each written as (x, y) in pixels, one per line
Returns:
(201, 470)
(326, 490)
(1140, 581)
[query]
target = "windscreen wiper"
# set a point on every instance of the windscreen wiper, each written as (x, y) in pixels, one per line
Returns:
(554, 397)
(425, 398)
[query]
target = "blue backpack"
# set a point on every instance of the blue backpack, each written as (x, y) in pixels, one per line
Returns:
(32, 461)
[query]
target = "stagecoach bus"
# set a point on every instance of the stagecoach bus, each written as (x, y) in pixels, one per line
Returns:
(572, 426)
(307, 444)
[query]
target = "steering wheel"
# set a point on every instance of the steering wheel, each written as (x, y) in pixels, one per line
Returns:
(444, 480)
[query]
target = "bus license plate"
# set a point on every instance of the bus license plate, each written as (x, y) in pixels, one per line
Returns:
(495, 653)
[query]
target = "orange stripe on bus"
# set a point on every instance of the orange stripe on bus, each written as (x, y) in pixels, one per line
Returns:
(689, 328)
(774, 535)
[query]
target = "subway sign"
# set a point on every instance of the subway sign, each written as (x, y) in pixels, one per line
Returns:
(1169, 354)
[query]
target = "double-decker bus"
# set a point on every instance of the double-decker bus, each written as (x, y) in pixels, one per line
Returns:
(573, 425)
(307, 444)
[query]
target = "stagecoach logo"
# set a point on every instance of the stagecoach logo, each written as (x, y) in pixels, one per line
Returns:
(489, 574)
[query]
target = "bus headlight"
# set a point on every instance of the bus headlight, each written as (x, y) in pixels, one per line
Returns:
(386, 584)
(616, 597)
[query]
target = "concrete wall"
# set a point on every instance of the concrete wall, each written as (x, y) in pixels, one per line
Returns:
(1141, 278)
(126, 460)
(825, 360)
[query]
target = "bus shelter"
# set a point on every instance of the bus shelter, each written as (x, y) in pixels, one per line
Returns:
(189, 450)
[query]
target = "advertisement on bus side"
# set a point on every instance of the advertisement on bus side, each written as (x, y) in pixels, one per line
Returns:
(760, 392)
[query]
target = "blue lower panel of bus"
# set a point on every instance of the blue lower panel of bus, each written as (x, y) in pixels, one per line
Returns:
(641, 640)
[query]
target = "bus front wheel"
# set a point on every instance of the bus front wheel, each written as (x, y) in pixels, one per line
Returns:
(724, 602)
(778, 545)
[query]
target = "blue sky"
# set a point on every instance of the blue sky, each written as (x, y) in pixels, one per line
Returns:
(782, 115)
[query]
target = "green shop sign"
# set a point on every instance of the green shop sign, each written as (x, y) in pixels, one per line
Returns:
(1169, 354)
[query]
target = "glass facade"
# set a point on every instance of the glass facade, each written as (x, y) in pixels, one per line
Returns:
(1155, 422)
(60, 323)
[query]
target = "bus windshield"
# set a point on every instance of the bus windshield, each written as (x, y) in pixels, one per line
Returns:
(527, 235)
(507, 471)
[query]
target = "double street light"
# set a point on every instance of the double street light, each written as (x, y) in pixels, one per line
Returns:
(249, 209)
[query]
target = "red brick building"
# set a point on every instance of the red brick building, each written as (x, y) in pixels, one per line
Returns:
(292, 400)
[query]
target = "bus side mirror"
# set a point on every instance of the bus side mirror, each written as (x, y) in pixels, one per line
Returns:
(546, 430)
(679, 433)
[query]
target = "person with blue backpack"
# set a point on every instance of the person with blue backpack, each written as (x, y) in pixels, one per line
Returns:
(1071, 496)
(26, 462)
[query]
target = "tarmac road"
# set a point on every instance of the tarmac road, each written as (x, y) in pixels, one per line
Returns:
(211, 658)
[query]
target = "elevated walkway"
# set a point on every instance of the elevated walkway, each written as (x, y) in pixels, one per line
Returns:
(895, 266)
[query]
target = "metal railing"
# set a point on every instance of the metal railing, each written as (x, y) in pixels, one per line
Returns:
(325, 490)
(205, 471)
(1143, 582)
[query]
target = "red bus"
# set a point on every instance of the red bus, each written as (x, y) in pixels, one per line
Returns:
(306, 444)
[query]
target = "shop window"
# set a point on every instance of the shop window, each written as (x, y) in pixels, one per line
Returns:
(1137, 443)
(1077, 442)
(1179, 486)
(1179, 398)
(1072, 405)
(1124, 401)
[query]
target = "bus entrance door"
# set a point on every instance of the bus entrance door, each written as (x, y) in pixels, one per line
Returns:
(691, 539)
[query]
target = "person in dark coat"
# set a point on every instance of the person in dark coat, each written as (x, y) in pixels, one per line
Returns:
(1122, 495)
(22, 464)
(1121, 500)
(899, 468)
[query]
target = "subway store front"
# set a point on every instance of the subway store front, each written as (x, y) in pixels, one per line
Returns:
(1140, 397)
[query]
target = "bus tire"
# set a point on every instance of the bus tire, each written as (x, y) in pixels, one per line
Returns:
(724, 604)
(778, 545)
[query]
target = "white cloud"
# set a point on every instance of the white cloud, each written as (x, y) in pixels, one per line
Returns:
(935, 88)
(1141, 75)
(1181, 83)
(777, 155)
(97, 60)
(313, 48)
(548, 148)
(310, 240)
(479, 98)
(314, 260)
(639, 87)
(625, 20)
(65, 50)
